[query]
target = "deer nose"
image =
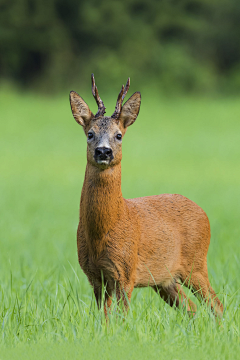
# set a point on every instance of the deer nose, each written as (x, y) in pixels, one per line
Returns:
(103, 153)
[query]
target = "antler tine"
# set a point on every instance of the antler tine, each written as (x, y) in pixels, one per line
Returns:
(101, 107)
(126, 88)
(120, 99)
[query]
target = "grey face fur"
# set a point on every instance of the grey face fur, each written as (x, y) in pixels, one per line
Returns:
(104, 139)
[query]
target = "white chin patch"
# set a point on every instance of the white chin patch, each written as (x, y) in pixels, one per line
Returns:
(103, 162)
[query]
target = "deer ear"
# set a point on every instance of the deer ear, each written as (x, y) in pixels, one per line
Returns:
(130, 109)
(80, 110)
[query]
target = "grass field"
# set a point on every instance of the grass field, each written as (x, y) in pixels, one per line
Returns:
(189, 146)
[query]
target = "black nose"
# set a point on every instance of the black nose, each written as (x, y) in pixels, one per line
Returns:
(103, 153)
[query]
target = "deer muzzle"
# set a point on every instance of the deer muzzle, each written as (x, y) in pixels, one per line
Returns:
(103, 155)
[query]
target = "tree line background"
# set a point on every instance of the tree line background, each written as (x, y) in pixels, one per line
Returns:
(176, 45)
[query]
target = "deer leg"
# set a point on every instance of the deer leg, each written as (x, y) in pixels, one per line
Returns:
(191, 307)
(174, 295)
(201, 288)
(107, 305)
(105, 298)
(124, 294)
(98, 295)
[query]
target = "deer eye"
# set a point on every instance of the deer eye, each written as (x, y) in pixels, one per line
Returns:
(119, 136)
(90, 136)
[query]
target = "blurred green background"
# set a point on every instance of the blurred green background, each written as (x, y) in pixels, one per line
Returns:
(184, 57)
(187, 45)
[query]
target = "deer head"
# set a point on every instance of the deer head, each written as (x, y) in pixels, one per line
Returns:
(104, 133)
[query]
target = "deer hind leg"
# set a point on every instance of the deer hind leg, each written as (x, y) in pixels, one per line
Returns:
(200, 286)
(175, 296)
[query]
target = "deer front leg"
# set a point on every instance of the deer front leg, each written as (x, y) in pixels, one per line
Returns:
(123, 294)
(103, 298)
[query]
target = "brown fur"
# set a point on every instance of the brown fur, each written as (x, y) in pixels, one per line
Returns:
(155, 241)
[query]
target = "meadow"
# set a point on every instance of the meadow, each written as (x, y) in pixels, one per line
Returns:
(187, 145)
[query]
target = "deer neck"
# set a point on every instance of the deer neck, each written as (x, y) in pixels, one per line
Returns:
(101, 204)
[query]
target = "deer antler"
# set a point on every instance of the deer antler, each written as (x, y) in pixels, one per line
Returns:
(101, 107)
(120, 99)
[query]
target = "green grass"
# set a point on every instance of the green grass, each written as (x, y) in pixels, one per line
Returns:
(189, 146)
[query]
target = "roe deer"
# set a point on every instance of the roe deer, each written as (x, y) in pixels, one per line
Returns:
(156, 241)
